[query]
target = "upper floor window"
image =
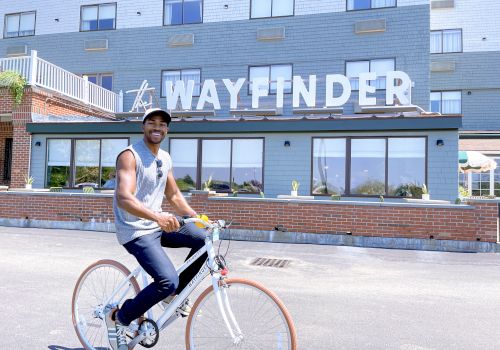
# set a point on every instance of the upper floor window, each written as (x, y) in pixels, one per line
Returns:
(19, 24)
(181, 74)
(271, 8)
(271, 73)
(98, 17)
(446, 41)
(182, 12)
(379, 66)
(104, 80)
(353, 5)
(446, 102)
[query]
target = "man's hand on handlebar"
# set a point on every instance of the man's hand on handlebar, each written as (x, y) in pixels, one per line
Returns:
(167, 222)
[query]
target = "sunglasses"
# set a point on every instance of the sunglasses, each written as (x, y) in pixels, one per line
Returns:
(159, 164)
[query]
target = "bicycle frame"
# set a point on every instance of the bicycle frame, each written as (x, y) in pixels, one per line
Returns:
(169, 314)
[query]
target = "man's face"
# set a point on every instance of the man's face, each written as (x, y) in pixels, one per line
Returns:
(155, 129)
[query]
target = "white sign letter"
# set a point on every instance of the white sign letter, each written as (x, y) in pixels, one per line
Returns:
(180, 91)
(208, 87)
(260, 88)
(400, 90)
(364, 88)
(346, 90)
(300, 89)
(234, 90)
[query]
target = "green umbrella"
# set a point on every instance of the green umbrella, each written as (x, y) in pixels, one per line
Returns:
(475, 162)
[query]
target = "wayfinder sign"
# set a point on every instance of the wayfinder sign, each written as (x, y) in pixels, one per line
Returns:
(260, 88)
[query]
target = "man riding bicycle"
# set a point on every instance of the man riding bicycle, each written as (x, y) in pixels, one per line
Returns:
(144, 176)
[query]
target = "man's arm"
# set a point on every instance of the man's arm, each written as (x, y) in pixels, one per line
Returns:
(126, 183)
(175, 197)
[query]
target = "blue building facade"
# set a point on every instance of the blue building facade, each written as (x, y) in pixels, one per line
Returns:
(351, 155)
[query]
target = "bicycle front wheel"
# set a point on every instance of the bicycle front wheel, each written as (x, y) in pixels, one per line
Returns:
(263, 319)
(95, 285)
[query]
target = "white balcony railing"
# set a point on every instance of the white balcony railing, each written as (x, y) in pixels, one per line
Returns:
(39, 72)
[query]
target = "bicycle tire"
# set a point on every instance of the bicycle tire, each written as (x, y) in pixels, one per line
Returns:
(206, 310)
(82, 319)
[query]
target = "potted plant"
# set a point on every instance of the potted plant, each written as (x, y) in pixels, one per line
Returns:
(28, 182)
(207, 184)
(295, 188)
(425, 193)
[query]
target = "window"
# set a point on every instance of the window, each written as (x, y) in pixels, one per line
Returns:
(19, 24)
(78, 163)
(271, 8)
(272, 73)
(182, 12)
(183, 74)
(353, 5)
(481, 182)
(101, 79)
(224, 165)
(406, 163)
(58, 163)
(446, 102)
(390, 166)
(184, 154)
(379, 66)
(446, 41)
(368, 166)
(98, 17)
(329, 159)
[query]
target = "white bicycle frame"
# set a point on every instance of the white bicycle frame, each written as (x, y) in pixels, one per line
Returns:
(169, 314)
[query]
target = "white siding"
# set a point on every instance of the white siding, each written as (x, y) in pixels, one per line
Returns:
(477, 19)
(68, 12)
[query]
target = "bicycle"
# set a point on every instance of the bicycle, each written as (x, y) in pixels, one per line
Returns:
(249, 315)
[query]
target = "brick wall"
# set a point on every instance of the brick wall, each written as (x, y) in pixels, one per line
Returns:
(464, 223)
(41, 102)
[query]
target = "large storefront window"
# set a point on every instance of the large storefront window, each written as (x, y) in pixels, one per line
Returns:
(406, 165)
(329, 166)
(184, 155)
(58, 163)
(368, 166)
(227, 165)
(216, 164)
(372, 167)
(80, 163)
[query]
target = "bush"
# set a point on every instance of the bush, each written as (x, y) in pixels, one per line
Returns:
(15, 82)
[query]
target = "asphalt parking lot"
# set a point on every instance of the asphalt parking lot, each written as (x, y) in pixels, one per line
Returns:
(339, 297)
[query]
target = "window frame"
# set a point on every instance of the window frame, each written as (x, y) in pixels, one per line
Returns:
(178, 70)
(249, 91)
(370, 8)
(200, 157)
(181, 24)
(98, 9)
(251, 7)
(441, 100)
(72, 163)
(442, 41)
(99, 78)
(19, 25)
(370, 68)
(348, 158)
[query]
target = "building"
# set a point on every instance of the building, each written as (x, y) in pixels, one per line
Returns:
(118, 45)
(465, 46)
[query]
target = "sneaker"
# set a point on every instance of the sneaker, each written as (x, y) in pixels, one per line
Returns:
(184, 309)
(117, 332)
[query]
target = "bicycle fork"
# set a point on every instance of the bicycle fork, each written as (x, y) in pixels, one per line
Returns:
(226, 311)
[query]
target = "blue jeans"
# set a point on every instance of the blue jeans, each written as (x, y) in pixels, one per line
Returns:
(152, 257)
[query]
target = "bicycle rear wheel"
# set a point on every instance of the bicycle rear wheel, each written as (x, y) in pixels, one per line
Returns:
(92, 289)
(263, 319)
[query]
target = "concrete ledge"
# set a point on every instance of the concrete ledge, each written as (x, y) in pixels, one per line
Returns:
(362, 241)
(339, 239)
